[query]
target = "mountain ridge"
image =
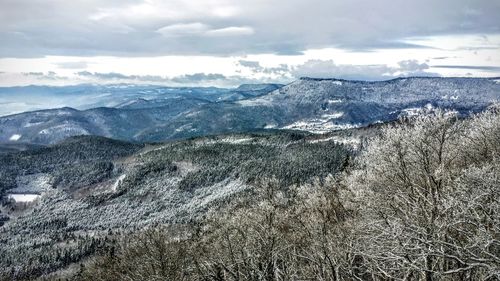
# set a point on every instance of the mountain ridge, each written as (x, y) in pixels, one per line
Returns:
(310, 104)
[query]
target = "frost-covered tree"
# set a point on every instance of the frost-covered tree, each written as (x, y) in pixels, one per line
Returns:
(428, 194)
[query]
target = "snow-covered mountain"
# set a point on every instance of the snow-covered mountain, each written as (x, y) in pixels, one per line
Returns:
(315, 105)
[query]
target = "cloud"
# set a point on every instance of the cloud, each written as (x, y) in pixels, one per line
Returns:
(41, 76)
(198, 77)
(255, 67)
(183, 29)
(72, 65)
(328, 69)
(195, 79)
(200, 29)
(231, 31)
(250, 64)
(33, 73)
(119, 77)
(472, 67)
(192, 27)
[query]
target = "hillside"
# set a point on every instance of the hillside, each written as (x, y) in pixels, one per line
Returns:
(88, 187)
(314, 105)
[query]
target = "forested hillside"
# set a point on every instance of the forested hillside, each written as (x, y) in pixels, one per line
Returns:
(411, 200)
(95, 190)
(419, 203)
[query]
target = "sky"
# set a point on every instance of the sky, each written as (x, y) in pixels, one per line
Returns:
(227, 42)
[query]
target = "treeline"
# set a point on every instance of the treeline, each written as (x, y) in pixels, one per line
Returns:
(421, 202)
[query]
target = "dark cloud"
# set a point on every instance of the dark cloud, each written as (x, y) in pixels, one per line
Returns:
(229, 27)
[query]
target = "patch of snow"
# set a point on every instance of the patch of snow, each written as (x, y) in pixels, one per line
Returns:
(414, 111)
(497, 81)
(338, 83)
(236, 141)
(118, 182)
(183, 128)
(205, 196)
(34, 183)
(232, 140)
(335, 101)
(354, 142)
(31, 124)
(21, 198)
(64, 128)
(333, 115)
(270, 126)
(256, 102)
(318, 126)
(15, 137)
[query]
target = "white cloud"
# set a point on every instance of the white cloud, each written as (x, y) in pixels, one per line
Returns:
(127, 27)
(183, 29)
(72, 65)
(200, 29)
(329, 69)
(231, 31)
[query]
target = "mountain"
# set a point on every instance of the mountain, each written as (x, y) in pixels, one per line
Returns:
(87, 96)
(314, 105)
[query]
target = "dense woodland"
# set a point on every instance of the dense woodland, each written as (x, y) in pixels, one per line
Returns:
(418, 202)
(100, 190)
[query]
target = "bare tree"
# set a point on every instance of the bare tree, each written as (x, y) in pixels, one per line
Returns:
(423, 190)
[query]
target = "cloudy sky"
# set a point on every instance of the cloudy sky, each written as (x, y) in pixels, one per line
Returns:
(228, 42)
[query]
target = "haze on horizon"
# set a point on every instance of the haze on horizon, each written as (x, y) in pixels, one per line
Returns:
(227, 43)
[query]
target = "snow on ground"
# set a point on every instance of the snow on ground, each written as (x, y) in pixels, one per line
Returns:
(64, 128)
(31, 124)
(256, 102)
(184, 128)
(335, 101)
(232, 140)
(34, 183)
(414, 111)
(236, 140)
(15, 137)
(318, 126)
(19, 198)
(118, 182)
(352, 141)
(205, 196)
(270, 126)
(332, 115)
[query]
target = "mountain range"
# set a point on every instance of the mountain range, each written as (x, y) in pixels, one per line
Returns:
(152, 114)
